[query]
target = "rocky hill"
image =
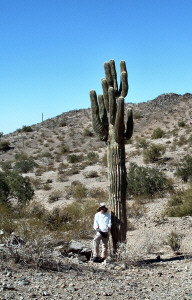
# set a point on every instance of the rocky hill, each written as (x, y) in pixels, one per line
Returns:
(66, 153)
(51, 142)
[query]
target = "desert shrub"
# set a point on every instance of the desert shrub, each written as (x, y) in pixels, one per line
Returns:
(99, 194)
(174, 241)
(13, 185)
(6, 219)
(25, 129)
(181, 123)
(73, 170)
(6, 166)
(64, 149)
(182, 141)
(63, 123)
(180, 204)
(40, 171)
(62, 168)
(4, 187)
(75, 218)
(137, 115)
(1, 134)
(46, 187)
(46, 154)
(190, 140)
(4, 146)
(25, 165)
(153, 153)
(136, 210)
(141, 143)
(79, 190)
(91, 174)
(184, 168)
(157, 133)
(73, 158)
(55, 196)
(36, 183)
(35, 210)
(92, 157)
(87, 132)
(146, 181)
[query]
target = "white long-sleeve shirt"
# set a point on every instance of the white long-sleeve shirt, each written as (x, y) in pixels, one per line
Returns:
(103, 221)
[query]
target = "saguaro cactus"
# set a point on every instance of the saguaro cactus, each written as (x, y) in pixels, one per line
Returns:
(110, 126)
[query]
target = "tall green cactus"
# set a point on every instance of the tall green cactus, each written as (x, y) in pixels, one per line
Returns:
(109, 125)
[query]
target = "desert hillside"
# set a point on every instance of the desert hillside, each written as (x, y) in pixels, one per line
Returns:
(51, 144)
(67, 167)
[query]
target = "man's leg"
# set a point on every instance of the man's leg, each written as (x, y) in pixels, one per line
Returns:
(104, 247)
(96, 242)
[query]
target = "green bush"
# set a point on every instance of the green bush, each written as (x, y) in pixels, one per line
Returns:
(6, 166)
(180, 204)
(76, 218)
(142, 143)
(91, 174)
(79, 191)
(87, 132)
(63, 123)
(146, 181)
(137, 115)
(157, 133)
(55, 196)
(181, 123)
(64, 149)
(99, 194)
(26, 129)
(174, 241)
(25, 165)
(182, 141)
(46, 154)
(184, 168)
(73, 158)
(153, 153)
(13, 185)
(92, 157)
(5, 146)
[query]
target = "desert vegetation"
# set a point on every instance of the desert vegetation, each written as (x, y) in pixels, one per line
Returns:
(56, 174)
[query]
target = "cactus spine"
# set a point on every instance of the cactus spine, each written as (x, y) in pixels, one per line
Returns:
(109, 125)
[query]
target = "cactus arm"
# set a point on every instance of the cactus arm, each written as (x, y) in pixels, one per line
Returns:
(123, 66)
(119, 121)
(112, 106)
(108, 74)
(105, 93)
(129, 124)
(123, 89)
(114, 75)
(124, 84)
(98, 127)
(102, 111)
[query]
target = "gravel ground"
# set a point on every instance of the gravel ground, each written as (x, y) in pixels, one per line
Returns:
(169, 279)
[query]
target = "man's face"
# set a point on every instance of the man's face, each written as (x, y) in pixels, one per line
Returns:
(103, 210)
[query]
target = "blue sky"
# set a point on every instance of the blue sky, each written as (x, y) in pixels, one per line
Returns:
(52, 53)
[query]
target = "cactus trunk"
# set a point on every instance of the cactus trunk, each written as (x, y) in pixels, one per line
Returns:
(117, 191)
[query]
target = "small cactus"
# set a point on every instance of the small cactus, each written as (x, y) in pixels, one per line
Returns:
(109, 125)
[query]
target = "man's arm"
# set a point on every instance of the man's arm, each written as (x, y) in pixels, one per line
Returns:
(96, 224)
(109, 223)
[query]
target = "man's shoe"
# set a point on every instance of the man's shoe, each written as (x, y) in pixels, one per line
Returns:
(101, 259)
(96, 259)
